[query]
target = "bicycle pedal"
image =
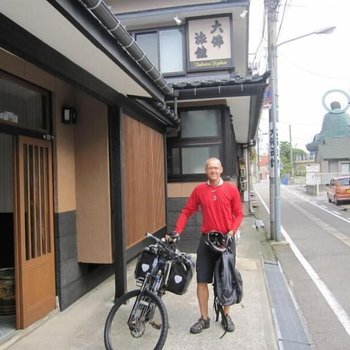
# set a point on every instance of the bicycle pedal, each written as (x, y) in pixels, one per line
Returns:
(156, 325)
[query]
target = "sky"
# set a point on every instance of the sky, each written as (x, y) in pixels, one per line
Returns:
(307, 68)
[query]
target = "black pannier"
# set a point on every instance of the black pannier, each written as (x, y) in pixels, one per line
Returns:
(144, 263)
(180, 275)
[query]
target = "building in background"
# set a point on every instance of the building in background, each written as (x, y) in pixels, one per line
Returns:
(331, 146)
(264, 166)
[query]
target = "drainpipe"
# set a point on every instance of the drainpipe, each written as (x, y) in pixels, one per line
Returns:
(175, 109)
(246, 89)
(128, 43)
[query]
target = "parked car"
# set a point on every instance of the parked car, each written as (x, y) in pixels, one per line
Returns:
(338, 190)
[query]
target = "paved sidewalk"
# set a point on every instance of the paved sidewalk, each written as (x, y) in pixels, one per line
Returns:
(81, 325)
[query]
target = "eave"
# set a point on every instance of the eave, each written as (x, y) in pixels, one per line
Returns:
(243, 95)
(72, 35)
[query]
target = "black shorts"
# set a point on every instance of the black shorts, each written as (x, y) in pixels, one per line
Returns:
(206, 259)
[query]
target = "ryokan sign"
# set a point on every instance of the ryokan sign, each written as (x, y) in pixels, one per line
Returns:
(210, 43)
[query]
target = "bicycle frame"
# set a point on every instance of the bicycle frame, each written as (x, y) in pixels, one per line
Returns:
(140, 308)
(155, 281)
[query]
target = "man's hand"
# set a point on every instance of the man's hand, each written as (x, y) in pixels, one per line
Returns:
(231, 233)
(172, 237)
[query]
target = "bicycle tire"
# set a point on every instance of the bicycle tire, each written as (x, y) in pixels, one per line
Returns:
(150, 330)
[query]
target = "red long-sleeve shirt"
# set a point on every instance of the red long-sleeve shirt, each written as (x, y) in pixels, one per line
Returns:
(220, 205)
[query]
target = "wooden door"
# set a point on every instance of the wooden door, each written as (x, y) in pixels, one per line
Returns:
(34, 246)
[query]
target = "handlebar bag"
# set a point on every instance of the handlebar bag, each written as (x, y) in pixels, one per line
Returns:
(144, 263)
(180, 275)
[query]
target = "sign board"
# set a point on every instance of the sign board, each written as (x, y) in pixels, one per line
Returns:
(210, 43)
(313, 176)
(315, 168)
(274, 159)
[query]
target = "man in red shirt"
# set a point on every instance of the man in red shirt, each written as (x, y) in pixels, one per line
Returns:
(221, 208)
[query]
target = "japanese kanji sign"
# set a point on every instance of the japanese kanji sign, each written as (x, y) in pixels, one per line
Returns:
(209, 43)
(274, 154)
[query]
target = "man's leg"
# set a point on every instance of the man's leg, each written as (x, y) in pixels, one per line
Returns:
(227, 310)
(233, 249)
(204, 265)
(227, 321)
(203, 298)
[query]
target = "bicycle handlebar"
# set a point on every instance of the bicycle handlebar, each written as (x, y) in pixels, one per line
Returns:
(168, 247)
(161, 241)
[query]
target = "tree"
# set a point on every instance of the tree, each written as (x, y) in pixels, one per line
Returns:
(286, 166)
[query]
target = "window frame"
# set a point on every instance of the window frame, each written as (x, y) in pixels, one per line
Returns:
(341, 163)
(45, 105)
(157, 31)
(222, 140)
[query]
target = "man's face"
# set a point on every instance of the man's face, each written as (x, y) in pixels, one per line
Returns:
(213, 170)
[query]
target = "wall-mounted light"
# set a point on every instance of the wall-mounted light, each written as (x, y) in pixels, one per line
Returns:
(68, 115)
(177, 20)
(252, 143)
(244, 13)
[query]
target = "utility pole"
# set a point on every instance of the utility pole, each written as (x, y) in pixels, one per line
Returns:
(258, 158)
(291, 151)
(275, 200)
(271, 7)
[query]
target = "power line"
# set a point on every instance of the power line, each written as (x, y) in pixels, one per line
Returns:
(282, 18)
(313, 72)
(262, 40)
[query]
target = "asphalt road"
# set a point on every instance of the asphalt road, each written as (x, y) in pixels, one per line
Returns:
(316, 262)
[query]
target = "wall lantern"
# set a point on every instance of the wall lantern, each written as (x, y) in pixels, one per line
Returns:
(177, 20)
(68, 116)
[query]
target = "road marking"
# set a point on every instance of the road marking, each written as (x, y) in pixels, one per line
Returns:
(323, 225)
(333, 303)
(318, 206)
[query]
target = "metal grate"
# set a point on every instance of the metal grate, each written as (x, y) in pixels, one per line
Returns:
(290, 327)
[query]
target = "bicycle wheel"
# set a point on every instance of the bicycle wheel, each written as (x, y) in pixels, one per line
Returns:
(136, 321)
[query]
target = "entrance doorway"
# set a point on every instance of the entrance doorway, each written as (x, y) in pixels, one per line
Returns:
(7, 248)
(26, 210)
(34, 238)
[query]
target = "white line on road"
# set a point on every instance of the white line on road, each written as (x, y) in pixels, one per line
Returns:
(333, 303)
(335, 213)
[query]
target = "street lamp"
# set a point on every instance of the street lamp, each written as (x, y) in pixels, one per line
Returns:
(327, 30)
(275, 189)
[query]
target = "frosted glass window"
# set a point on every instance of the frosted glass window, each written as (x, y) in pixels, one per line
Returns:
(6, 174)
(22, 105)
(175, 161)
(171, 54)
(148, 43)
(193, 158)
(200, 123)
(344, 168)
(200, 137)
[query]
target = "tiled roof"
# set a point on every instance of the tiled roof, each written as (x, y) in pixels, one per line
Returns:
(213, 80)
